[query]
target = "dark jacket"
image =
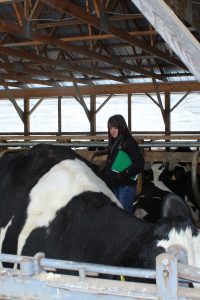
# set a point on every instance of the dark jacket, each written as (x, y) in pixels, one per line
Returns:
(130, 146)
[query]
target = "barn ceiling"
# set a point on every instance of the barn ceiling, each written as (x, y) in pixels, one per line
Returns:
(51, 44)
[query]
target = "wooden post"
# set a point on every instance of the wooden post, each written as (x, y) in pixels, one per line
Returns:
(93, 114)
(59, 115)
(26, 116)
(167, 115)
(129, 112)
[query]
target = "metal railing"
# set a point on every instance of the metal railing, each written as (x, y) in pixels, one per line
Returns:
(32, 281)
(76, 144)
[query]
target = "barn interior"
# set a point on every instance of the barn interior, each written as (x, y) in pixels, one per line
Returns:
(91, 48)
(83, 50)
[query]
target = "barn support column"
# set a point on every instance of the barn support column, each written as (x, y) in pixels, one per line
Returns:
(93, 114)
(167, 116)
(59, 115)
(26, 116)
(129, 112)
(10, 96)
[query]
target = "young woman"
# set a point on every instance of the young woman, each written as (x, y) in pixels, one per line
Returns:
(123, 183)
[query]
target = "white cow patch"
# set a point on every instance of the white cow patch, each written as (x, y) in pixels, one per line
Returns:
(55, 189)
(3, 231)
(189, 242)
(156, 173)
(140, 213)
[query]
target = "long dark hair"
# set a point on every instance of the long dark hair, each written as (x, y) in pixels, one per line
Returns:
(119, 122)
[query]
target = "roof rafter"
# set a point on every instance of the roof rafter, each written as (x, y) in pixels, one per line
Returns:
(79, 22)
(19, 68)
(12, 28)
(19, 12)
(26, 79)
(58, 63)
(75, 10)
(36, 9)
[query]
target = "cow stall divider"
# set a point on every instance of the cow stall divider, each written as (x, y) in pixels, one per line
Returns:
(32, 280)
(96, 144)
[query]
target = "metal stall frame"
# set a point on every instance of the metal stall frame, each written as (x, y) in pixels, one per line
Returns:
(33, 281)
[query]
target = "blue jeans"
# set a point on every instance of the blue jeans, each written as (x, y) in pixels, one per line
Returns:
(126, 196)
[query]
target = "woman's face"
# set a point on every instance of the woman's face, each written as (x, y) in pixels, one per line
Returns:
(114, 131)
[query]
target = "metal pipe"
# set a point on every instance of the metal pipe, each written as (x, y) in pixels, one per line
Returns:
(101, 144)
(88, 267)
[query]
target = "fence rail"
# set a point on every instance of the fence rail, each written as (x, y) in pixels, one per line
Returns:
(32, 281)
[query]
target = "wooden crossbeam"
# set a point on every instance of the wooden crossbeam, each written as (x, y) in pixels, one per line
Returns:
(120, 89)
(76, 38)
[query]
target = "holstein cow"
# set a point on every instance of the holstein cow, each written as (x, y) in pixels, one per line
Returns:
(179, 180)
(157, 200)
(54, 201)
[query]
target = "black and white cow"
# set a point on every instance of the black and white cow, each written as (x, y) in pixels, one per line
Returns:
(54, 201)
(179, 180)
(159, 198)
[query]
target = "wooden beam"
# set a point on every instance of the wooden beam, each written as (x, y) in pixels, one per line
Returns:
(173, 31)
(27, 79)
(70, 8)
(104, 89)
(104, 103)
(78, 38)
(187, 10)
(59, 115)
(75, 22)
(167, 115)
(36, 9)
(182, 98)
(79, 97)
(158, 97)
(57, 63)
(19, 12)
(13, 101)
(107, 36)
(92, 114)
(19, 68)
(97, 7)
(12, 28)
(8, 84)
(10, 1)
(129, 112)
(152, 99)
(155, 156)
(26, 116)
(26, 10)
